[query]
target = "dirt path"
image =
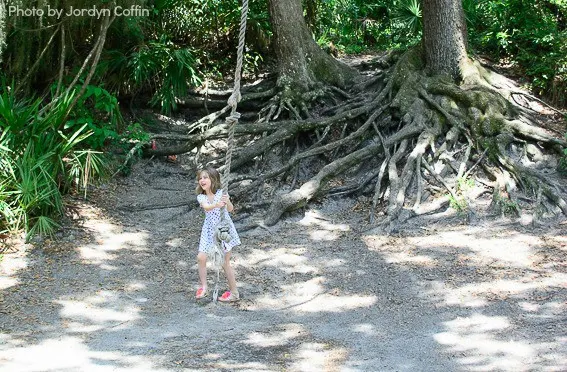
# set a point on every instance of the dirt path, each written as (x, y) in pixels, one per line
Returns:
(116, 293)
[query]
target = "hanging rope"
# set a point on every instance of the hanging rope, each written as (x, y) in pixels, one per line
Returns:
(222, 229)
(235, 97)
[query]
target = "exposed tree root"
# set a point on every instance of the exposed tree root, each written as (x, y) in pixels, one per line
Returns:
(415, 143)
(315, 185)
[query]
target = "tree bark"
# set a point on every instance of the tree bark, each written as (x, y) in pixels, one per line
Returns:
(2, 28)
(301, 62)
(444, 37)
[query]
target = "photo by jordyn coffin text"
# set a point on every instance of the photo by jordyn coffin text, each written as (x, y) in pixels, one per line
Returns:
(93, 11)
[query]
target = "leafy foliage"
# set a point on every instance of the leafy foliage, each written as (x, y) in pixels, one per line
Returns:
(356, 25)
(160, 65)
(407, 13)
(183, 41)
(531, 35)
(98, 110)
(40, 158)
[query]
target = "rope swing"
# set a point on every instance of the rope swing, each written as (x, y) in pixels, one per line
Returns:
(235, 97)
(222, 233)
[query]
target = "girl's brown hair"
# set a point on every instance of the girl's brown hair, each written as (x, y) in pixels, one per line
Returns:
(214, 176)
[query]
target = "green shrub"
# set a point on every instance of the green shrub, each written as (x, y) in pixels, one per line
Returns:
(530, 35)
(99, 111)
(162, 66)
(40, 159)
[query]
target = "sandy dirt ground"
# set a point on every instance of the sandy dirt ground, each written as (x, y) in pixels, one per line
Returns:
(320, 291)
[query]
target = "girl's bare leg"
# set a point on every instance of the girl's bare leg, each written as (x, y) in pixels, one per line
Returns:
(202, 264)
(229, 272)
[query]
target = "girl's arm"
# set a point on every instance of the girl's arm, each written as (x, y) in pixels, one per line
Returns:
(209, 207)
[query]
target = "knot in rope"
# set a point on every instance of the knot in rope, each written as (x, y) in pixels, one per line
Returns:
(234, 98)
(233, 118)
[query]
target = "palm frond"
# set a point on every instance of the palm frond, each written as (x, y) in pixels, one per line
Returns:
(42, 226)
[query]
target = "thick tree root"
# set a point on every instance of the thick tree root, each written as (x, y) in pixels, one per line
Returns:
(478, 114)
(314, 186)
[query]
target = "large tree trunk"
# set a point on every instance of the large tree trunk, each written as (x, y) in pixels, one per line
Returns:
(302, 64)
(444, 36)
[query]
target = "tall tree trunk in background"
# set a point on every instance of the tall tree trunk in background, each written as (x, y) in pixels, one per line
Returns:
(444, 36)
(311, 13)
(302, 64)
(2, 27)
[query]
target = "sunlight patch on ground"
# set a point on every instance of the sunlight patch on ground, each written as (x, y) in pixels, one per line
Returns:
(480, 249)
(334, 262)
(290, 260)
(280, 336)
(500, 269)
(529, 307)
(405, 256)
(135, 286)
(7, 282)
(510, 248)
(325, 230)
(109, 239)
(7, 341)
(323, 235)
(291, 263)
(547, 311)
(478, 246)
(452, 296)
(310, 297)
(93, 314)
(468, 294)
(515, 249)
(175, 243)
(365, 328)
(9, 268)
(315, 356)
(69, 353)
(487, 343)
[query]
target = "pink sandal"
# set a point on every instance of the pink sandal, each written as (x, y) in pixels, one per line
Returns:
(201, 292)
(229, 296)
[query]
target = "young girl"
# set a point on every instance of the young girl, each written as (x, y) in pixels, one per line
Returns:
(211, 199)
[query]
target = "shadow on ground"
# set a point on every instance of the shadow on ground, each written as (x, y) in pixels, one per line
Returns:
(116, 293)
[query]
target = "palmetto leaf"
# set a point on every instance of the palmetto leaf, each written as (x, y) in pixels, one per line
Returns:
(408, 13)
(43, 225)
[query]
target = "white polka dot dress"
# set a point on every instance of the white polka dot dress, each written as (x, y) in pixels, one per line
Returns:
(212, 218)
